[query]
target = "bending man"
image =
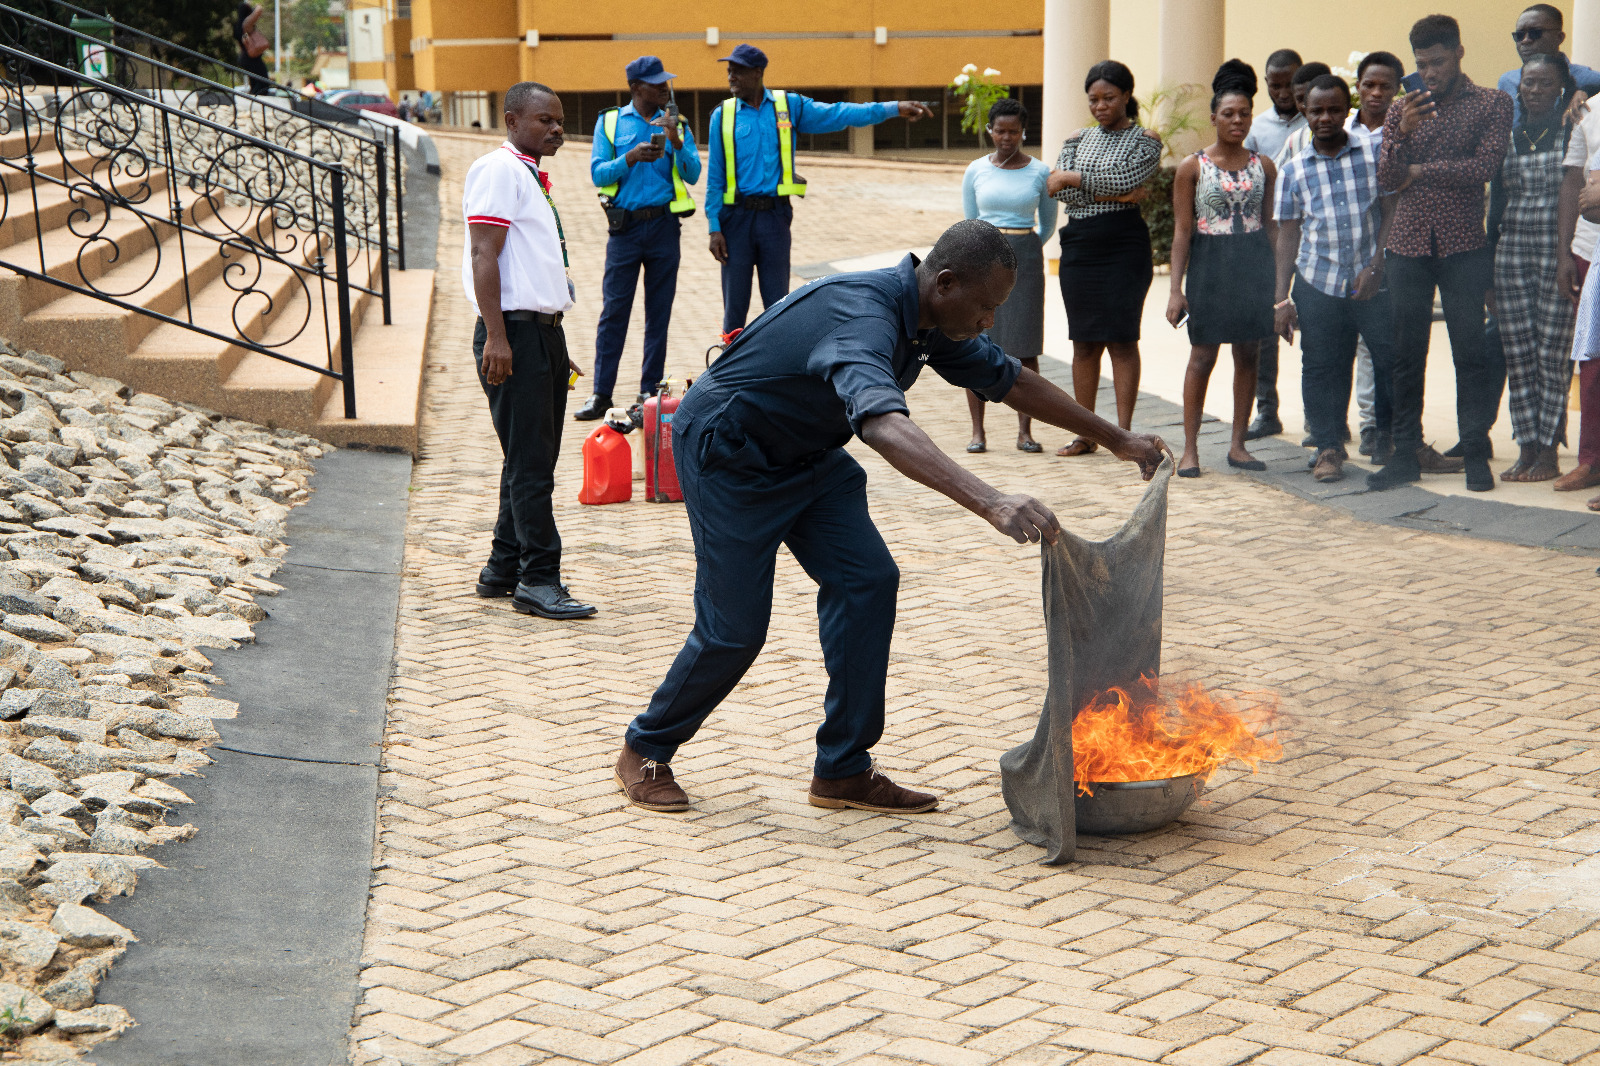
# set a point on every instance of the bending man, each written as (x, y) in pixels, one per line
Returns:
(760, 443)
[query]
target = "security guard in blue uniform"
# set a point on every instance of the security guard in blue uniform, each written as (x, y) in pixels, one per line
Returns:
(747, 204)
(644, 186)
(759, 442)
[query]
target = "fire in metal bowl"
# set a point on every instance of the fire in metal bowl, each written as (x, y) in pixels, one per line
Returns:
(1119, 807)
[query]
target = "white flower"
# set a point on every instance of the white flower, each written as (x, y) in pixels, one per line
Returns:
(1356, 58)
(961, 81)
(990, 72)
(970, 68)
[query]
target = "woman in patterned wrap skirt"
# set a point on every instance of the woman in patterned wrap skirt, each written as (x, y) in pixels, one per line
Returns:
(1535, 317)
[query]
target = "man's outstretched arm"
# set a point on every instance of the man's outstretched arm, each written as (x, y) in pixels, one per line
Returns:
(1033, 395)
(912, 452)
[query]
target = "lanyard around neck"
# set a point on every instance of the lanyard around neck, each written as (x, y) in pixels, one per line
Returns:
(561, 234)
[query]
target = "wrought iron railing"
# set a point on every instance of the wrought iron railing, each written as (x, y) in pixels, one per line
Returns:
(201, 85)
(142, 181)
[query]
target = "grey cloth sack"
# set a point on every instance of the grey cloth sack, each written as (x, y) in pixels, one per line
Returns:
(1102, 614)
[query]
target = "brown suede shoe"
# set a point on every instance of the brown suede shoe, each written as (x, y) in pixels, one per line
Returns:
(648, 784)
(1582, 476)
(1330, 465)
(1429, 461)
(869, 791)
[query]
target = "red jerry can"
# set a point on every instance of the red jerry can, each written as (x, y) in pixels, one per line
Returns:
(660, 470)
(607, 463)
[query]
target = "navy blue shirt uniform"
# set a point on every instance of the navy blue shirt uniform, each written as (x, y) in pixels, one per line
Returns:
(759, 442)
(649, 239)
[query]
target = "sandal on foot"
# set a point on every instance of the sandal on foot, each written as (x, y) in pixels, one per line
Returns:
(1188, 471)
(977, 446)
(1030, 446)
(1077, 447)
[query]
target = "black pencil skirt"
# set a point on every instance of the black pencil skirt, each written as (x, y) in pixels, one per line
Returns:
(1105, 275)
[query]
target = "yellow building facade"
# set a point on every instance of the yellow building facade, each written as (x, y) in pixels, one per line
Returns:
(469, 51)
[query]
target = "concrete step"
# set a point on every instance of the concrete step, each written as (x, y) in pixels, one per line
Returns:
(388, 371)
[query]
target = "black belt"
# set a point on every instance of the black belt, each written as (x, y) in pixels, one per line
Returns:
(645, 214)
(544, 318)
(758, 203)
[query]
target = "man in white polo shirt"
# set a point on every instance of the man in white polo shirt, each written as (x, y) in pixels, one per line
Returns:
(514, 271)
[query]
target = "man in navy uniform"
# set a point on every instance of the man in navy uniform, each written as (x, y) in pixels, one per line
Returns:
(759, 442)
(647, 194)
(747, 204)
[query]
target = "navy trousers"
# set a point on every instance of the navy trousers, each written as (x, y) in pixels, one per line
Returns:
(739, 513)
(653, 245)
(1329, 327)
(758, 242)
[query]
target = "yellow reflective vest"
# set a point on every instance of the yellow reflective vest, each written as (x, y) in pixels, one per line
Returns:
(787, 185)
(682, 203)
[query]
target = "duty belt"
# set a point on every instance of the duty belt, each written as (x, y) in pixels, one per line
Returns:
(757, 203)
(645, 214)
(544, 318)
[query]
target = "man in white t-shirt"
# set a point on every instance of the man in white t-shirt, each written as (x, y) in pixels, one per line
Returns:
(1582, 147)
(514, 272)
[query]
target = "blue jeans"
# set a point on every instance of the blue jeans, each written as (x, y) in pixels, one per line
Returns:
(740, 511)
(1329, 326)
(758, 242)
(654, 245)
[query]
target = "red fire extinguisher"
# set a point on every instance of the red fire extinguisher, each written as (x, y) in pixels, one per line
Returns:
(660, 471)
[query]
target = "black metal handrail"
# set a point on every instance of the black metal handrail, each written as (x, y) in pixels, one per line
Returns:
(271, 215)
(282, 119)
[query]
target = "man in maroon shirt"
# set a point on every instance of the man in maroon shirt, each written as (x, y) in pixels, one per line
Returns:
(1440, 146)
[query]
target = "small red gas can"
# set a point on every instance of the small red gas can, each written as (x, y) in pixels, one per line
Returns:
(660, 471)
(607, 465)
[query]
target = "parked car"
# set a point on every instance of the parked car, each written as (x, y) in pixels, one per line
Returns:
(356, 100)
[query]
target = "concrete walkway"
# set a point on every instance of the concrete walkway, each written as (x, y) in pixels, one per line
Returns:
(1414, 883)
(250, 937)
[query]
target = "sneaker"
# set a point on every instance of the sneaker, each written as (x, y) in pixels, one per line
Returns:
(648, 784)
(1264, 426)
(1429, 461)
(869, 791)
(1330, 465)
(1369, 440)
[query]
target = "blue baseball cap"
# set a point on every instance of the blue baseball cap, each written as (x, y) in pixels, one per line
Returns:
(648, 68)
(746, 55)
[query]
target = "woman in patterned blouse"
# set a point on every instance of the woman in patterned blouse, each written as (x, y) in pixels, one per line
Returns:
(1105, 247)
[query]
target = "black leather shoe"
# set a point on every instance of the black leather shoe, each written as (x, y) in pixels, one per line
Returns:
(492, 583)
(1460, 452)
(1395, 473)
(1369, 440)
(1263, 426)
(596, 408)
(550, 601)
(1479, 479)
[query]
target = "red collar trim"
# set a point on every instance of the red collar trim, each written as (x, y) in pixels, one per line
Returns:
(538, 172)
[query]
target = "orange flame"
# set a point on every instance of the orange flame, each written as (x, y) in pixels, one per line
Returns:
(1145, 735)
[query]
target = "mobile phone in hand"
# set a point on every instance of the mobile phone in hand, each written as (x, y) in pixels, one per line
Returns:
(1184, 321)
(659, 139)
(1413, 83)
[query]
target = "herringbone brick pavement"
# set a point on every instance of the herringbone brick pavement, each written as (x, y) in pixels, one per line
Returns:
(1415, 882)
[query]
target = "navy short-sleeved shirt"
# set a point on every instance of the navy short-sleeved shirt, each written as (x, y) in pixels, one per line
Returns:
(806, 374)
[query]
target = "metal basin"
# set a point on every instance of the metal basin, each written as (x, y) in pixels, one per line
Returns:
(1119, 807)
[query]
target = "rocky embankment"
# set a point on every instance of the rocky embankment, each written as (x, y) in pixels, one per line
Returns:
(133, 533)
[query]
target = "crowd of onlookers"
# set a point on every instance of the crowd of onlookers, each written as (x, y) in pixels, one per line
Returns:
(1338, 212)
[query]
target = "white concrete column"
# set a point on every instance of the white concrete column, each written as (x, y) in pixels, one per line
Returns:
(1077, 35)
(861, 136)
(1191, 44)
(1583, 32)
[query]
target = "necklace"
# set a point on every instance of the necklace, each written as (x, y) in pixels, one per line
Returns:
(1533, 143)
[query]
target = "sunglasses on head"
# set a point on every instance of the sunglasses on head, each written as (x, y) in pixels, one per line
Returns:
(1527, 35)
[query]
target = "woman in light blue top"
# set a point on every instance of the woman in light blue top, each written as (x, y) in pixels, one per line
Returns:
(1007, 190)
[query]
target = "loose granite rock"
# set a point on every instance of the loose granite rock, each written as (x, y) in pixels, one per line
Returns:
(134, 532)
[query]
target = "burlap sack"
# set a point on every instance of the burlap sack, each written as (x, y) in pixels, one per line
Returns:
(1102, 613)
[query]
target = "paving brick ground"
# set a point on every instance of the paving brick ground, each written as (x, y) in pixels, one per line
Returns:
(1415, 882)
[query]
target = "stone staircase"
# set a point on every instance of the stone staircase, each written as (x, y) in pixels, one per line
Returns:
(139, 258)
